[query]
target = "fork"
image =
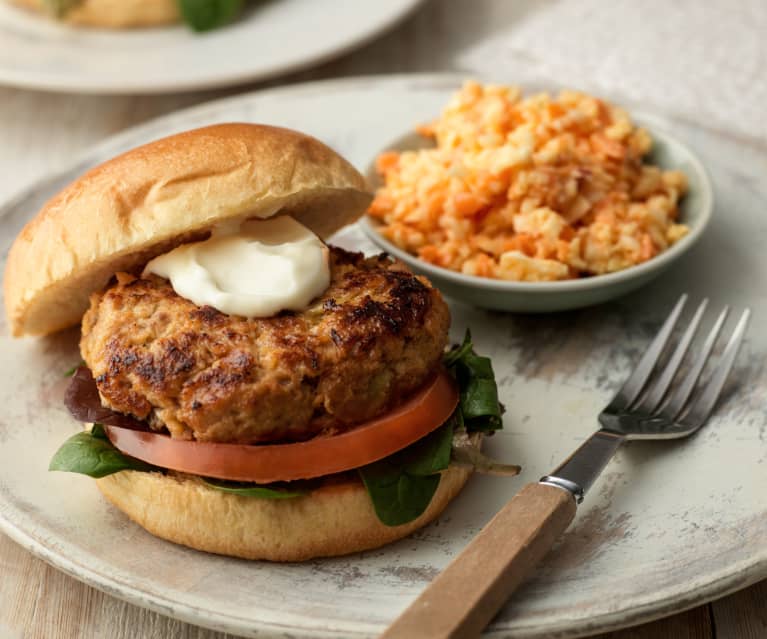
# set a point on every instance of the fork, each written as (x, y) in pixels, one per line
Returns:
(658, 401)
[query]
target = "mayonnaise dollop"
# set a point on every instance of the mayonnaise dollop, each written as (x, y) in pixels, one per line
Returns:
(257, 269)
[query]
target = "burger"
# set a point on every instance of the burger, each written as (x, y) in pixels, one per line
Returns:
(248, 389)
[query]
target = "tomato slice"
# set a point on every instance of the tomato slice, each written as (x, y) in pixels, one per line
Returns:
(428, 409)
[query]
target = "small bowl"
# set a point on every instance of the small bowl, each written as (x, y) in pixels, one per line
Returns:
(543, 297)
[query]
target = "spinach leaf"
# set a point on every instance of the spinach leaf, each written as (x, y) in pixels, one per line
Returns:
(73, 370)
(251, 490)
(457, 353)
(204, 15)
(402, 485)
(92, 454)
(478, 403)
(97, 431)
(399, 498)
(428, 455)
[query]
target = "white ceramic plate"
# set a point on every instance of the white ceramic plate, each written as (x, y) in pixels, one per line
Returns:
(275, 37)
(668, 526)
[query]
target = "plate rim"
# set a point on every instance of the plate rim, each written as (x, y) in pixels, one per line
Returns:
(736, 577)
(608, 622)
(10, 78)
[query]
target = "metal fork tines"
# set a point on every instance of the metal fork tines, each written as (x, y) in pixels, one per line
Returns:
(655, 401)
(661, 399)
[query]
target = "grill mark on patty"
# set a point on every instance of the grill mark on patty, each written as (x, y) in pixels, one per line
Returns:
(208, 315)
(406, 301)
(231, 371)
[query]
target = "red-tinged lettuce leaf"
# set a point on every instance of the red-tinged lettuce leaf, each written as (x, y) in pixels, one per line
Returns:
(84, 404)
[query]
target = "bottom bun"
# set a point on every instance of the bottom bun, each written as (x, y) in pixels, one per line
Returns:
(335, 519)
(114, 14)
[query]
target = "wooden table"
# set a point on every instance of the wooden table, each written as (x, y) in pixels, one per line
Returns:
(41, 132)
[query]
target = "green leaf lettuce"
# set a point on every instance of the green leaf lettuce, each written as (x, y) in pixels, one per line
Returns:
(91, 453)
(402, 485)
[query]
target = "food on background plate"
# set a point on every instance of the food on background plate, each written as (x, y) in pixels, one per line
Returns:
(529, 189)
(251, 390)
(199, 15)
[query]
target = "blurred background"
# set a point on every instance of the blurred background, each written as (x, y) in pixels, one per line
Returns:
(699, 61)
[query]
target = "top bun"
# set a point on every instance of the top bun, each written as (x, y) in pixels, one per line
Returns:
(145, 202)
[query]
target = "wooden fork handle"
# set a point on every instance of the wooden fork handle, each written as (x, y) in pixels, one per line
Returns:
(464, 597)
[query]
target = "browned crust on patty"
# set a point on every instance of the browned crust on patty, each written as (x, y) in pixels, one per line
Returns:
(374, 337)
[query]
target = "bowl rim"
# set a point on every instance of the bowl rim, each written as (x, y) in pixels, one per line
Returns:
(705, 211)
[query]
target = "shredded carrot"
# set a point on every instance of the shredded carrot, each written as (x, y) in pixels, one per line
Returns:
(529, 188)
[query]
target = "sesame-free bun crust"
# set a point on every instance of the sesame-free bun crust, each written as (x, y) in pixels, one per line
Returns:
(335, 519)
(145, 202)
(114, 14)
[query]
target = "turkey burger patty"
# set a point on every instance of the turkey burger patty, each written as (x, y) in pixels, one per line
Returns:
(371, 339)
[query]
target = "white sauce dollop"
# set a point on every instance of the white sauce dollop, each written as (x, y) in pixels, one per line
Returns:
(257, 269)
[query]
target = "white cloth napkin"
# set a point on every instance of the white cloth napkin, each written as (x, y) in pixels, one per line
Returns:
(703, 60)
